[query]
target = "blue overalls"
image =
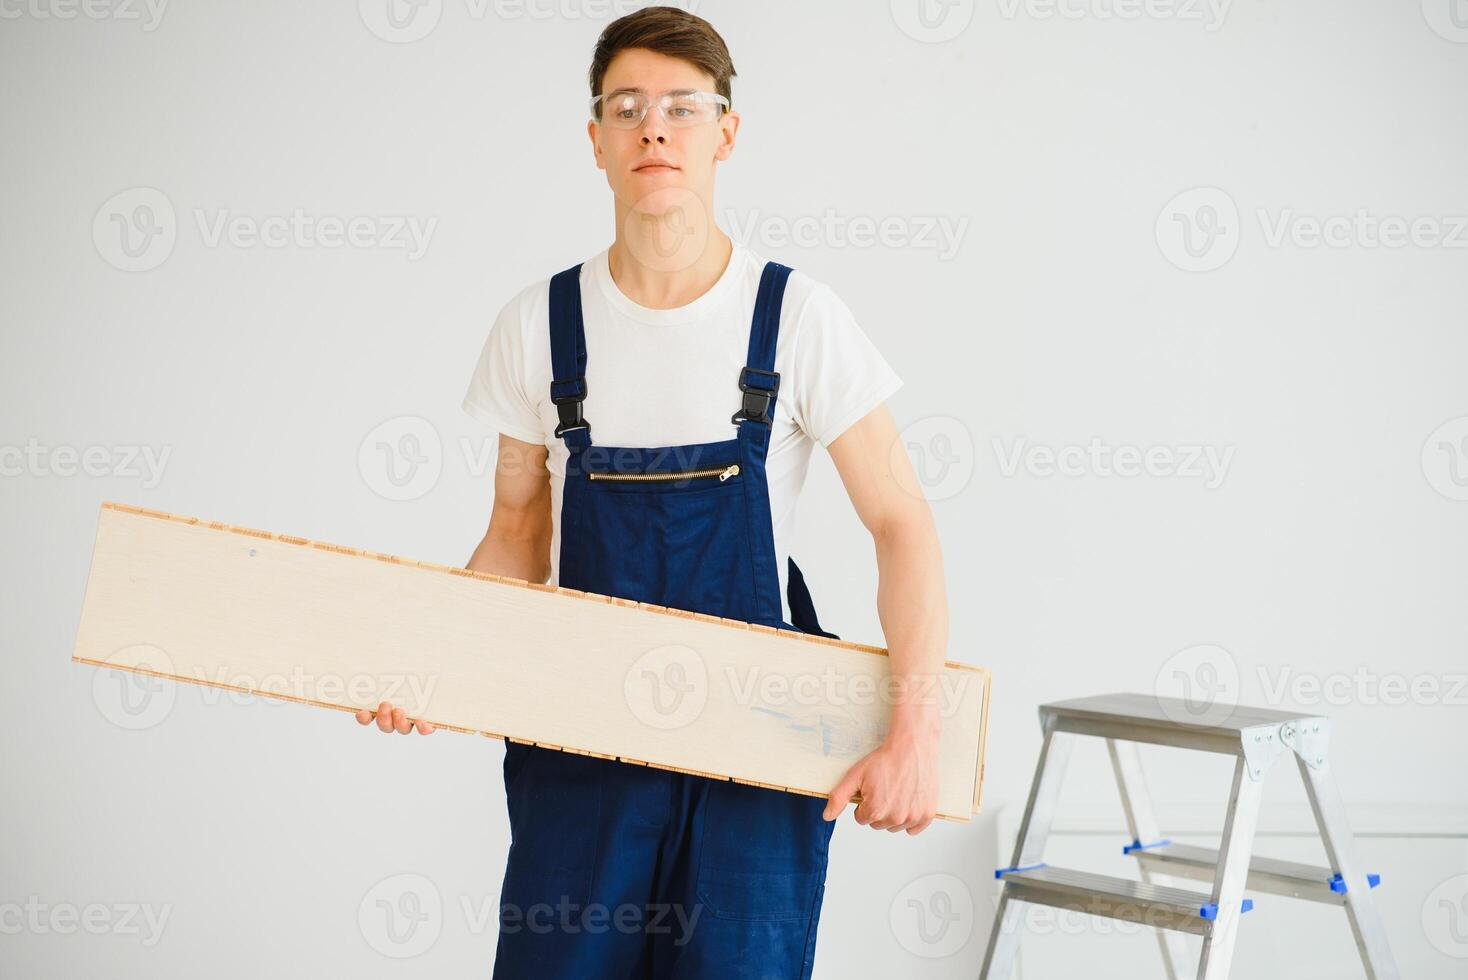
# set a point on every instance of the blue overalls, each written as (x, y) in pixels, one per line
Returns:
(620, 870)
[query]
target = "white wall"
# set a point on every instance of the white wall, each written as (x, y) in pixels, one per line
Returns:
(1053, 144)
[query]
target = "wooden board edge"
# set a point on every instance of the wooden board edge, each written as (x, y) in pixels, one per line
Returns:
(983, 744)
(86, 590)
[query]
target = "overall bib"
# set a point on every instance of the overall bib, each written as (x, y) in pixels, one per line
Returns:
(618, 870)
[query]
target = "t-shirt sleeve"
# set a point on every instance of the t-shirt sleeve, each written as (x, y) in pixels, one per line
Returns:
(497, 394)
(841, 375)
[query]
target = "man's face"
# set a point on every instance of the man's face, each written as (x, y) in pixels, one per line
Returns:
(689, 152)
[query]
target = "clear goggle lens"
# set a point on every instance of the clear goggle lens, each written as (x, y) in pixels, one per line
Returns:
(626, 110)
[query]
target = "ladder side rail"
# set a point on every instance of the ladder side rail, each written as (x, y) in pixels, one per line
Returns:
(1029, 847)
(1233, 870)
(1335, 834)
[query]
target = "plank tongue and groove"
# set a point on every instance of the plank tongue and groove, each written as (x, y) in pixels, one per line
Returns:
(247, 610)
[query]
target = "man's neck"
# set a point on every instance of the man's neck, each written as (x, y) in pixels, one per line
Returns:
(652, 275)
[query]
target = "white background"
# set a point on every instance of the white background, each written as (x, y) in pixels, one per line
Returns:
(1058, 139)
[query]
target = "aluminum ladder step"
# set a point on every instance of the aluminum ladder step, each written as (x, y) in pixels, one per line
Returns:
(1179, 909)
(1268, 875)
(1170, 715)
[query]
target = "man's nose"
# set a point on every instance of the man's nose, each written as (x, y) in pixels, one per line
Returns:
(654, 126)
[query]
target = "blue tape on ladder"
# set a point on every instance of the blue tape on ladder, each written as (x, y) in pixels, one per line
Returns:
(1001, 872)
(1137, 845)
(1210, 911)
(1338, 884)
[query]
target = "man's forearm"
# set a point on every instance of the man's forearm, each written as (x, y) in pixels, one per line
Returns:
(913, 607)
(514, 549)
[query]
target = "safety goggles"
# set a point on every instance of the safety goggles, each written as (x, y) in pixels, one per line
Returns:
(626, 110)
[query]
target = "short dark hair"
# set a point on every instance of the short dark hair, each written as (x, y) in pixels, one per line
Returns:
(669, 31)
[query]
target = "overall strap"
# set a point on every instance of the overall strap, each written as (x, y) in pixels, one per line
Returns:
(759, 381)
(568, 358)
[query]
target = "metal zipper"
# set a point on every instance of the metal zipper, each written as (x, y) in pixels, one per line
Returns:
(723, 473)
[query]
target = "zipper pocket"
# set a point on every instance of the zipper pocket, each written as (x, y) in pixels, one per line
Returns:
(722, 472)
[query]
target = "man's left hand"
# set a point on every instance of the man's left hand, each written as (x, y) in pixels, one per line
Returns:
(898, 780)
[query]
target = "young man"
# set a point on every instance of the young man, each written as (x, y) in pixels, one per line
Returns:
(714, 373)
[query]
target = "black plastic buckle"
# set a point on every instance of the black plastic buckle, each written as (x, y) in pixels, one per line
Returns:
(569, 408)
(757, 401)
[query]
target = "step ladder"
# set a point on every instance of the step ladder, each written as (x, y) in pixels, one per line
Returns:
(1256, 737)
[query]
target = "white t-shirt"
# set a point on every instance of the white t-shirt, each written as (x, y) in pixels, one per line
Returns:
(671, 377)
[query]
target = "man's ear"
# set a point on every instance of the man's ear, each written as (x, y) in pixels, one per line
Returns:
(592, 132)
(728, 129)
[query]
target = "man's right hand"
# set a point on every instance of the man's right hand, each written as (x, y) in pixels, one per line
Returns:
(390, 719)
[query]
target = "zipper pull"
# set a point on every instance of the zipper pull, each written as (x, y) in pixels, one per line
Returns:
(731, 471)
